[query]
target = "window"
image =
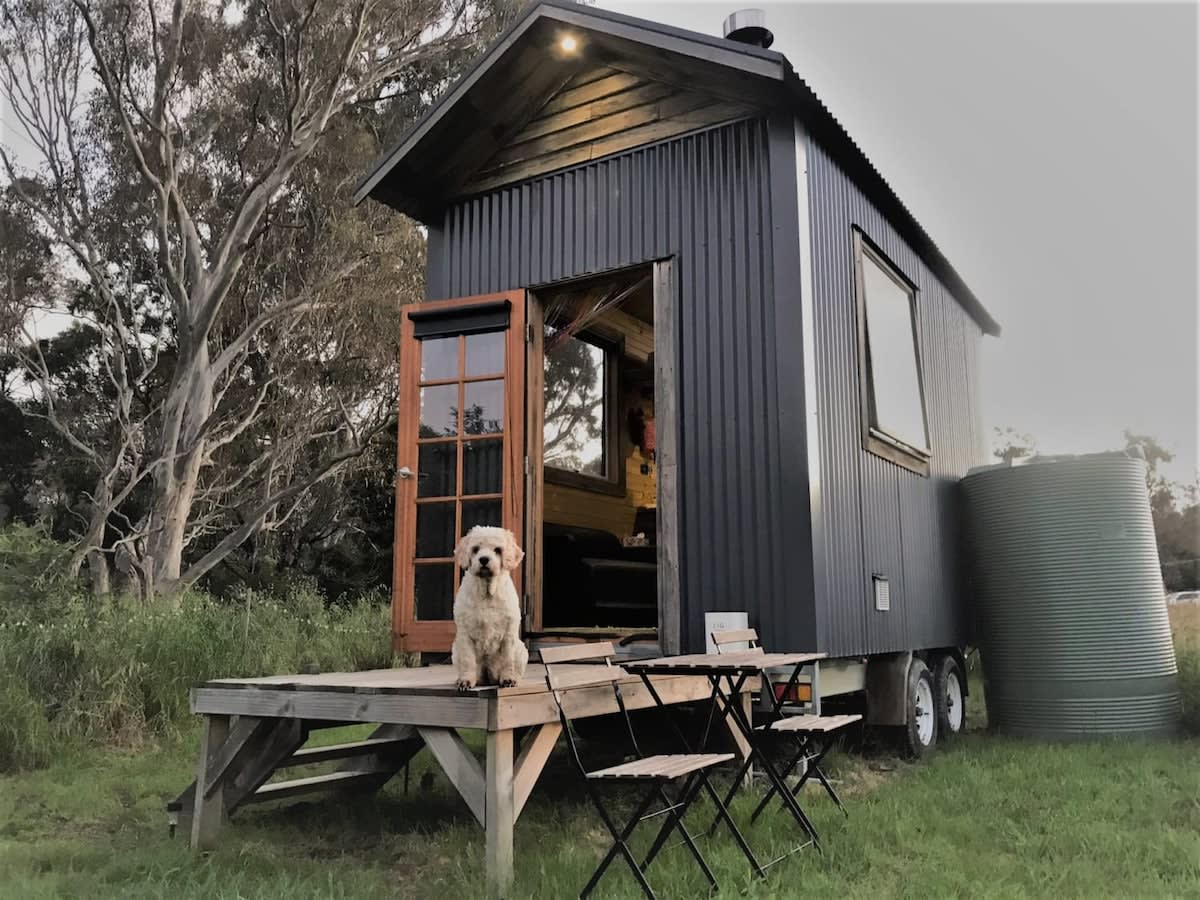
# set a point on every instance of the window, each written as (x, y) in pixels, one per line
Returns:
(579, 437)
(893, 403)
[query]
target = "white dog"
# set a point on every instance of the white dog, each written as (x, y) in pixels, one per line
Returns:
(487, 612)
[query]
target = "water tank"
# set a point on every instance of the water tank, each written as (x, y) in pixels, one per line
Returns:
(1072, 618)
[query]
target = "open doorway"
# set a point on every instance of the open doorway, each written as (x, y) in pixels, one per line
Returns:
(595, 510)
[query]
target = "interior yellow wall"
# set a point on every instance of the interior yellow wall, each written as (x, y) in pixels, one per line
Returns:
(590, 509)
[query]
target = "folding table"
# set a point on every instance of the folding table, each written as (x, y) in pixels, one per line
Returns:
(727, 674)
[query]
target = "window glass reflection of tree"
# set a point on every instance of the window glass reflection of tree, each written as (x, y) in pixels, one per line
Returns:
(574, 394)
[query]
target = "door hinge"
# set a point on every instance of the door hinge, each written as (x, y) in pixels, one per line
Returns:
(527, 466)
(529, 332)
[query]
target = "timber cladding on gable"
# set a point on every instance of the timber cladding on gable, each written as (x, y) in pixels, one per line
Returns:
(599, 112)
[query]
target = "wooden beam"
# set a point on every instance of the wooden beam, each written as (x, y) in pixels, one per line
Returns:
(500, 813)
(262, 758)
(309, 755)
(740, 744)
(246, 728)
(460, 766)
(440, 711)
(666, 392)
(209, 813)
(531, 761)
(535, 483)
(281, 790)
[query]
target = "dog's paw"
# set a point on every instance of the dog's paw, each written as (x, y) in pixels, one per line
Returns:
(508, 682)
(464, 685)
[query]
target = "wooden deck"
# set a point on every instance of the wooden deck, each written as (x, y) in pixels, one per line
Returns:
(254, 727)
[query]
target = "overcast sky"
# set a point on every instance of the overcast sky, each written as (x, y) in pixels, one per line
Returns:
(1051, 153)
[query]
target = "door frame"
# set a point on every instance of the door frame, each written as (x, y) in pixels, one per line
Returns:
(437, 635)
(666, 393)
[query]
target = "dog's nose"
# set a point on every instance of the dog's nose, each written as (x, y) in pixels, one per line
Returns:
(484, 560)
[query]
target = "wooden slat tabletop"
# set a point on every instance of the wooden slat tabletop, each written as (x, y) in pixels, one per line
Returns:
(702, 663)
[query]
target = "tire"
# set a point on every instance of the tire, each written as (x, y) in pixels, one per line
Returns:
(920, 731)
(950, 694)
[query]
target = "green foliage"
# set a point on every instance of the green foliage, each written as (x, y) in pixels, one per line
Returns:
(1185, 628)
(32, 580)
(120, 673)
(1008, 444)
(24, 730)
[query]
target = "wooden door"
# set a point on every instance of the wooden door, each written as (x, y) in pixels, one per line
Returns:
(455, 470)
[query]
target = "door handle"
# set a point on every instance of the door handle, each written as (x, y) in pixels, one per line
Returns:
(405, 472)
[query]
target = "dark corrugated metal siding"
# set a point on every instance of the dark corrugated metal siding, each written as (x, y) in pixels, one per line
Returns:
(876, 517)
(706, 200)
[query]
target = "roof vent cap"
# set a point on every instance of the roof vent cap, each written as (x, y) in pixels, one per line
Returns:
(749, 26)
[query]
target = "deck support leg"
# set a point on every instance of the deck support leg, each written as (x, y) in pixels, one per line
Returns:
(499, 811)
(209, 813)
(741, 746)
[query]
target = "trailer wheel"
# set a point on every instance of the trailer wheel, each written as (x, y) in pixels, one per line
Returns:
(949, 688)
(920, 731)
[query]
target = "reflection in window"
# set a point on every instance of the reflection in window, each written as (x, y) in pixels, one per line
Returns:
(896, 407)
(575, 385)
(484, 405)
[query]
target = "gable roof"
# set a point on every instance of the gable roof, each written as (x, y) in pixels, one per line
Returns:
(472, 122)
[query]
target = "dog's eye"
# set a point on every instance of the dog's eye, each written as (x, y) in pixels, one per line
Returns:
(474, 549)
(498, 551)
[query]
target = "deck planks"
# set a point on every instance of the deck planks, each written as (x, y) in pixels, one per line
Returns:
(427, 697)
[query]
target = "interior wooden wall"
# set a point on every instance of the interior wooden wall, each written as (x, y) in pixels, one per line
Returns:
(590, 509)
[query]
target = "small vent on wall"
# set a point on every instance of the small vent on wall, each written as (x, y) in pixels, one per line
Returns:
(883, 593)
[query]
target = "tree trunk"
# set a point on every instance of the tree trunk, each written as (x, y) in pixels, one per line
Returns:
(89, 548)
(175, 486)
(97, 564)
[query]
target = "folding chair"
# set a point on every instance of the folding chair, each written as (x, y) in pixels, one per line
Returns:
(655, 772)
(814, 736)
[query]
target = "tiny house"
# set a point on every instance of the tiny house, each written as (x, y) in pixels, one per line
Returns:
(683, 339)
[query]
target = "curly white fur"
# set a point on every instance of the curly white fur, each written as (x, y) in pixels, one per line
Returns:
(487, 612)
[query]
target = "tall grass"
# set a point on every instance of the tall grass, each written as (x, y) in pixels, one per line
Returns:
(1185, 629)
(76, 670)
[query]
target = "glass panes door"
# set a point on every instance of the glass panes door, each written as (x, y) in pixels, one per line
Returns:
(460, 451)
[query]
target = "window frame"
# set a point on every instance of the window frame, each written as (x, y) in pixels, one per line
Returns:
(614, 481)
(876, 440)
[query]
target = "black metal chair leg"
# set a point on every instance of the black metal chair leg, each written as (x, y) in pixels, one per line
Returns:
(743, 771)
(668, 823)
(675, 821)
(820, 775)
(788, 770)
(687, 838)
(620, 846)
(723, 813)
(815, 771)
(773, 775)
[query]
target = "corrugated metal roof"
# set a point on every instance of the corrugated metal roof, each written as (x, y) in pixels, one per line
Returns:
(384, 182)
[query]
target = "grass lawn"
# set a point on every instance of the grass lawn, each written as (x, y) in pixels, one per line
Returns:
(986, 817)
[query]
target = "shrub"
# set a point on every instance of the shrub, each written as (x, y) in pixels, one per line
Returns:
(119, 672)
(32, 579)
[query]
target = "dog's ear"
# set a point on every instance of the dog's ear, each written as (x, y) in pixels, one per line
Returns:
(513, 554)
(462, 553)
